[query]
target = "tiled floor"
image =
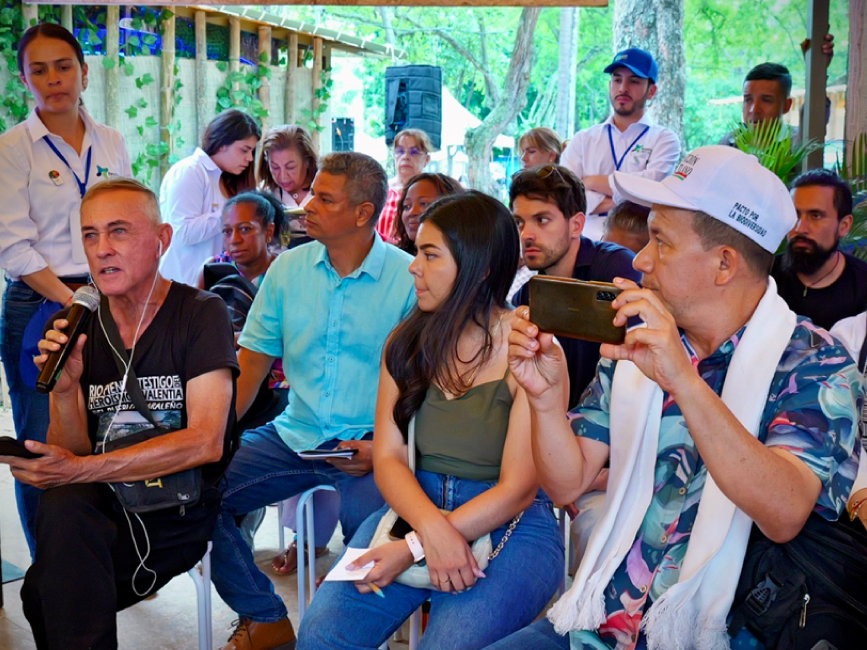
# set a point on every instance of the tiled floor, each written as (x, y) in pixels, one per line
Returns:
(169, 622)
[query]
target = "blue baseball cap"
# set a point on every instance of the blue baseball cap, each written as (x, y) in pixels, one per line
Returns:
(638, 60)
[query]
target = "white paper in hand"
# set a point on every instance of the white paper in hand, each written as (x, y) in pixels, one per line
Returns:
(340, 573)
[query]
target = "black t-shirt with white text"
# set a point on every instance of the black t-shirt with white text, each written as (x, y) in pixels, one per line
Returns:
(190, 336)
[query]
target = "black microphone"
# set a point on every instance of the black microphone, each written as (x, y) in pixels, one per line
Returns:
(84, 302)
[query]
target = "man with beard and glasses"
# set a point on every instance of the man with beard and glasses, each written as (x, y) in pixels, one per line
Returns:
(626, 141)
(813, 276)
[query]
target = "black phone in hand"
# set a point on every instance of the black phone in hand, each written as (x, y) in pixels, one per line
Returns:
(12, 447)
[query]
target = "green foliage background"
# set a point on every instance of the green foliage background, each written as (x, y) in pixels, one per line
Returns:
(723, 39)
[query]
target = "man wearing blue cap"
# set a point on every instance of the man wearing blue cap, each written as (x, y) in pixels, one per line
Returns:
(625, 142)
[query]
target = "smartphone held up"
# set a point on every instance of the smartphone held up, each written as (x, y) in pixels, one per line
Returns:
(574, 308)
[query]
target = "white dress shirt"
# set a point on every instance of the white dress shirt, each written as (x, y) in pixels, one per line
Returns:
(287, 199)
(191, 201)
(40, 214)
(654, 155)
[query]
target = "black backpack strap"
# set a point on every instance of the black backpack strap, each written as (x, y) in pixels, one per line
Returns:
(123, 363)
(216, 271)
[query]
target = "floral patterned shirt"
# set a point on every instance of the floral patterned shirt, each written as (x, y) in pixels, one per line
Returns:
(811, 412)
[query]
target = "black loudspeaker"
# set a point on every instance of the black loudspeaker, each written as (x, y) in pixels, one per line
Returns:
(414, 100)
(342, 134)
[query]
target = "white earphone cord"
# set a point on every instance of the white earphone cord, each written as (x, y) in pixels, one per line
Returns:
(108, 432)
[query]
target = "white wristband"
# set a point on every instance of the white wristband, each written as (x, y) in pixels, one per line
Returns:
(415, 546)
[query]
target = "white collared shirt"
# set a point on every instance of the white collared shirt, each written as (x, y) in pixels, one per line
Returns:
(287, 199)
(40, 214)
(653, 156)
(191, 201)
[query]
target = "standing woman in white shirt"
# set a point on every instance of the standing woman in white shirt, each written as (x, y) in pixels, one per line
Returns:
(195, 189)
(47, 163)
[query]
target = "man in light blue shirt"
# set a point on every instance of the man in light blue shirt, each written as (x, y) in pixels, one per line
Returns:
(325, 308)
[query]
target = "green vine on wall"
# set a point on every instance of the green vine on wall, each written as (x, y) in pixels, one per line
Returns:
(322, 94)
(154, 153)
(15, 94)
(240, 90)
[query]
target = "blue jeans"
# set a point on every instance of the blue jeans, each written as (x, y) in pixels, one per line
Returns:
(538, 636)
(29, 408)
(264, 471)
(519, 582)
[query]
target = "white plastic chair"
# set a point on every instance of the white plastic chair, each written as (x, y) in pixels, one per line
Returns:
(202, 581)
(281, 532)
(304, 519)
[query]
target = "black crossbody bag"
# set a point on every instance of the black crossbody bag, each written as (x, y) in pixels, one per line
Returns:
(177, 490)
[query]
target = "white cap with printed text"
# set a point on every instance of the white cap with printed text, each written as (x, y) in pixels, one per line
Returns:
(726, 184)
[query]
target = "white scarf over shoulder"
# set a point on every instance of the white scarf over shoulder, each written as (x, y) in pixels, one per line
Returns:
(691, 615)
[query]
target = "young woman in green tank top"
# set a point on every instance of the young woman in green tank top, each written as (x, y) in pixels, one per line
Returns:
(446, 367)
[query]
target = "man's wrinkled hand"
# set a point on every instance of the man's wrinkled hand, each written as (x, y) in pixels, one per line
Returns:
(57, 466)
(53, 341)
(656, 349)
(537, 362)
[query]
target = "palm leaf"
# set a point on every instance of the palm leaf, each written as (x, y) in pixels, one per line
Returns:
(771, 143)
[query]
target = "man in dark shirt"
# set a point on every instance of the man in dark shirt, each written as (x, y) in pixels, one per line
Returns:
(93, 557)
(548, 203)
(813, 276)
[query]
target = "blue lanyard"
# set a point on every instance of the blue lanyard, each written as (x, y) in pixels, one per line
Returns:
(618, 163)
(82, 187)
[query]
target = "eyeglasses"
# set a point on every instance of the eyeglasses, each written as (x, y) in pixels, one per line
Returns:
(400, 152)
(547, 170)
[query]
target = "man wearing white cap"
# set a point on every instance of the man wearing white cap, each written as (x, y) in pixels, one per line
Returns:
(723, 410)
(627, 141)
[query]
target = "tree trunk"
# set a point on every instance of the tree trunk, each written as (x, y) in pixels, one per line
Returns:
(657, 26)
(573, 89)
(565, 71)
(480, 141)
(387, 15)
(856, 96)
(492, 93)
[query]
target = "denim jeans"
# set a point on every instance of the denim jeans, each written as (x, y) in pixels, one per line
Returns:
(538, 636)
(29, 408)
(264, 471)
(519, 582)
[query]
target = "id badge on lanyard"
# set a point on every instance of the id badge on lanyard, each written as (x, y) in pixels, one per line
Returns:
(618, 163)
(82, 186)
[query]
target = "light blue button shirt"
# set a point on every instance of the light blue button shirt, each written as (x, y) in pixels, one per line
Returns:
(330, 332)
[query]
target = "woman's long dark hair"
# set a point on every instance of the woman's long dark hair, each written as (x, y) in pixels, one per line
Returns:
(446, 186)
(483, 239)
(229, 127)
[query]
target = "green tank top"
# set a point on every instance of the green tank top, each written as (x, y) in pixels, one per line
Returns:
(464, 436)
